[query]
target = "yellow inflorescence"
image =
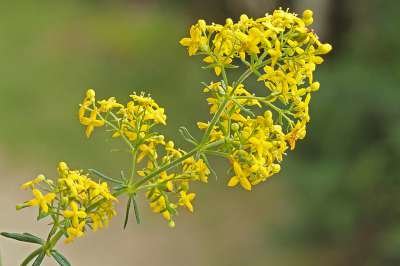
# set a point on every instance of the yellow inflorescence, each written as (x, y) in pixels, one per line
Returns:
(287, 51)
(134, 123)
(75, 201)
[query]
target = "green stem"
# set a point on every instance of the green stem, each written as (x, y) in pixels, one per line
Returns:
(134, 155)
(214, 120)
(96, 204)
(280, 111)
(177, 161)
(224, 76)
(53, 241)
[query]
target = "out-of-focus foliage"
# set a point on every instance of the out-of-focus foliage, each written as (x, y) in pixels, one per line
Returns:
(346, 181)
(51, 52)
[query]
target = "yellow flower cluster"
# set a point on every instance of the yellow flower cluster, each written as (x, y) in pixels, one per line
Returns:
(255, 145)
(134, 123)
(169, 190)
(134, 120)
(74, 202)
(279, 35)
(282, 45)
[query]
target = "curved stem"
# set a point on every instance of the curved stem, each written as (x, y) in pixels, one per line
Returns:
(214, 120)
(53, 241)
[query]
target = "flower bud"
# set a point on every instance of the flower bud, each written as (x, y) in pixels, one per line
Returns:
(324, 48)
(171, 224)
(90, 93)
(235, 127)
(229, 22)
(307, 14)
(315, 86)
(308, 21)
(276, 168)
(202, 24)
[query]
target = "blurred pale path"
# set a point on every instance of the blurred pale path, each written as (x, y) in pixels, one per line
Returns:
(225, 232)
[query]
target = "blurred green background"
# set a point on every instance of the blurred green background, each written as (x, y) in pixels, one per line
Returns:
(335, 201)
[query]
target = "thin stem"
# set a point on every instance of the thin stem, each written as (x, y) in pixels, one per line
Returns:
(53, 241)
(280, 111)
(214, 120)
(132, 147)
(224, 76)
(177, 161)
(134, 156)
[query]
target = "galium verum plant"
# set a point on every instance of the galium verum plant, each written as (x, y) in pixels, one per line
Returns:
(252, 131)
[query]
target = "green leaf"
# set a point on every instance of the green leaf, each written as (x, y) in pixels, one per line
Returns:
(128, 209)
(136, 209)
(205, 159)
(31, 256)
(42, 215)
(244, 109)
(103, 176)
(25, 237)
(62, 261)
(39, 259)
(231, 66)
(187, 136)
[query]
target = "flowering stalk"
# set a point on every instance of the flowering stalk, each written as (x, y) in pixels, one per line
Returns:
(253, 131)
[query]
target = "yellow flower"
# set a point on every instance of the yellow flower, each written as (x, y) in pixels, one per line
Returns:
(97, 221)
(91, 122)
(107, 105)
(219, 62)
(250, 42)
(75, 213)
(275, 52)
(42, 201)
(298, 132)
(146, 150)
(239, 177)
(75, 232)
(196, 40)
(101, 189)
(202, 170)
(157, 116)
(32, 183)
(186, 200)
(169, 147)
(167, 180)
(308, 17)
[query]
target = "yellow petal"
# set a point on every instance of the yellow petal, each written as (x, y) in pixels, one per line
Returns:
(233, 181)
(245, 183)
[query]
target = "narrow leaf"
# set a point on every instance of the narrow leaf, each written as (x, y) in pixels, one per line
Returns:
(205, 159)
(42, 215)
(136, 209)
(39, 259)
(62, 261)
(187, 136)
(31, 256)
(25, 237)
(128, 209)
(103, 176)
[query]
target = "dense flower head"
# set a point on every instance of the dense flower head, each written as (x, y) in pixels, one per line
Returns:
(282, 52)
(135, 123)
(75, 201)
(278, 35)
